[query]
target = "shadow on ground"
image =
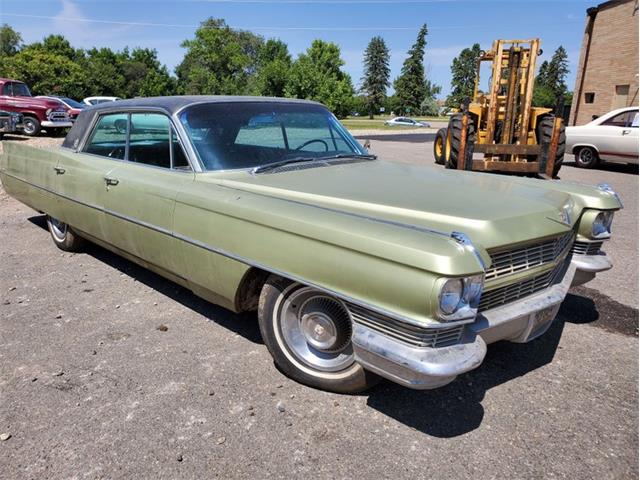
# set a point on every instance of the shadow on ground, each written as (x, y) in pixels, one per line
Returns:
(608, 167)
(450, 411)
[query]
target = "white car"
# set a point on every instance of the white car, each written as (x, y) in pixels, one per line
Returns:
(613, 137)
(97, 100)
(405, 122)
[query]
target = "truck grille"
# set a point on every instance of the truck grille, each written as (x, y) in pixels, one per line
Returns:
(515, 291)
(586, 248)
(507, 262)
(404, 332)
(58, 116)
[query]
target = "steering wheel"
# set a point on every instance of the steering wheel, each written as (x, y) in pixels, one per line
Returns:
(315, 140)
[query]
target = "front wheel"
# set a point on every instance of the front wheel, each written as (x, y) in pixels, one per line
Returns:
(31, 126)
(63, 236)
(308, 334)
(452, 152)
(586, 157)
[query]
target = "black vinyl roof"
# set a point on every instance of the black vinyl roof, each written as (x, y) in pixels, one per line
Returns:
(171, 105)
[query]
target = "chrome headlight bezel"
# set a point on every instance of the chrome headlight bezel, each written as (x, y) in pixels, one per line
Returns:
(468, 298)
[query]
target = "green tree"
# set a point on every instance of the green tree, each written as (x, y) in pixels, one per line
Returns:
(274, 64)
(104, 75)
(10, 41)
(410, 86)
(376, 74)
(550, 85)
(463, 75)
(144, 75)
(316, 75)
(46, 73)
(219, 60)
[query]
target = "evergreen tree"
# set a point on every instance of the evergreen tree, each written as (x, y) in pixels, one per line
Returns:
(376, 74)
(410, 86)
(463, 75)
(550, 84)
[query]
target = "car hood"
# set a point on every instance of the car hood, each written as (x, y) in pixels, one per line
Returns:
(493, 210)
(40, 103)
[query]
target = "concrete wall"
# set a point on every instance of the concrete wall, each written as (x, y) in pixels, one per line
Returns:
(609, 58)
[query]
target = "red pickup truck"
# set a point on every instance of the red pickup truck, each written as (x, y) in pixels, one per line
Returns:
(37, 113)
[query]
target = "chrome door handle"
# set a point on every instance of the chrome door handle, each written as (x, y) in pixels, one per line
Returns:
(59, 171)
(111, 181)
(626, 132)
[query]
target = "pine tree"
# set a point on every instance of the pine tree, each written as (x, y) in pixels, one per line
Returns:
(410, 86)
(376, 74)
(550, 84)
(463, 75)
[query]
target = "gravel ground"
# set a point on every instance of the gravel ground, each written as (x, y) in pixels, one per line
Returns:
(109, 371)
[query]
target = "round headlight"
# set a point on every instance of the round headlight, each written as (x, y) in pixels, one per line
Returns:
(602, 224)
(450, 295)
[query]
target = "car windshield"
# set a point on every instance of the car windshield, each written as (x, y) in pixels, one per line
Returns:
(72, 103)
(240, 135)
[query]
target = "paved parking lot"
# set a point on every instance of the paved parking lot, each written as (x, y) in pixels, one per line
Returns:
(90, 387)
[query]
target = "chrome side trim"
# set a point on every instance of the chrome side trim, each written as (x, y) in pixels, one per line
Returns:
(239, 258)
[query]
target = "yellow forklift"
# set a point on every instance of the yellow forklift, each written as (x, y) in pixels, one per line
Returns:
(501, 124)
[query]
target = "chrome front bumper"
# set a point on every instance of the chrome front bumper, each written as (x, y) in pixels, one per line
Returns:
(50, 124)
(521, 321)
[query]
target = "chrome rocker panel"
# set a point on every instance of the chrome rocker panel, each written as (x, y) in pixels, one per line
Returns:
(426, 368)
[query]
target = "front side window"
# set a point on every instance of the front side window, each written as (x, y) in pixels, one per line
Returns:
(109, 136)
(149, 139)
(240, 135)
(635, 118)
(619, 120)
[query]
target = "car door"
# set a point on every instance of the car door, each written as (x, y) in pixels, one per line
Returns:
(609, 137)
(629, 150)
(80, 176)
(9, 102)
(142, 190)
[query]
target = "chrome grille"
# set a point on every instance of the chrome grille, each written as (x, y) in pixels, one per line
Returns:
(404, 332)
(515, 291)
(507, 262)
(59, 116)
(586, 248)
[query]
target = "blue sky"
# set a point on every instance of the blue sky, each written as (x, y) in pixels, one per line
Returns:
(453, 25)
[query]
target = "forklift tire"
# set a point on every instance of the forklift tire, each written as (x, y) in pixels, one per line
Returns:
(452, 141)
(438, 146)
(545, 129)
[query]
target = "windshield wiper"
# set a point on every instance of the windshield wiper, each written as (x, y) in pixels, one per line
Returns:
(279, 163)
(287, 161)
(364, 156)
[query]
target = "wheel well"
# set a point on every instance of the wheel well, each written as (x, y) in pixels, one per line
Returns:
(575, 148)
(248, 293)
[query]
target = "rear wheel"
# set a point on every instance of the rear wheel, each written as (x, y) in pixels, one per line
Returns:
(31, 126)
(452, 142)
(544, 132)
(308, 334)
(438, 146)
(586, 157)
(63, 236)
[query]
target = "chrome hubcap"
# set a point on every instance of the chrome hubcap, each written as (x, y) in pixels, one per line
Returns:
(315, 328)
(586, 156)
(58, 228)
(29, 126)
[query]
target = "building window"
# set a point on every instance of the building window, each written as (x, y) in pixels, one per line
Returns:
(589, 97)
(621, 96)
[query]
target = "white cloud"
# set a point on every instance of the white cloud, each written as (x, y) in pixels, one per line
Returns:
(79, 29)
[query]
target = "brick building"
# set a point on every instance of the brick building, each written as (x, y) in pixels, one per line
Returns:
(607, 76)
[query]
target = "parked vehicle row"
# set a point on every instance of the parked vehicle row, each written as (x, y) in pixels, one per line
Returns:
(51, 112)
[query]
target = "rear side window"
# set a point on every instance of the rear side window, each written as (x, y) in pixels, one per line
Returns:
(109, 136)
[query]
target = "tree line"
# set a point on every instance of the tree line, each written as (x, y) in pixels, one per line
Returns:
(220, 60)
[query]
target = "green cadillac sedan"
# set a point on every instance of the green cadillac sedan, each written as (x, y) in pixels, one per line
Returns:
(358, 267)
